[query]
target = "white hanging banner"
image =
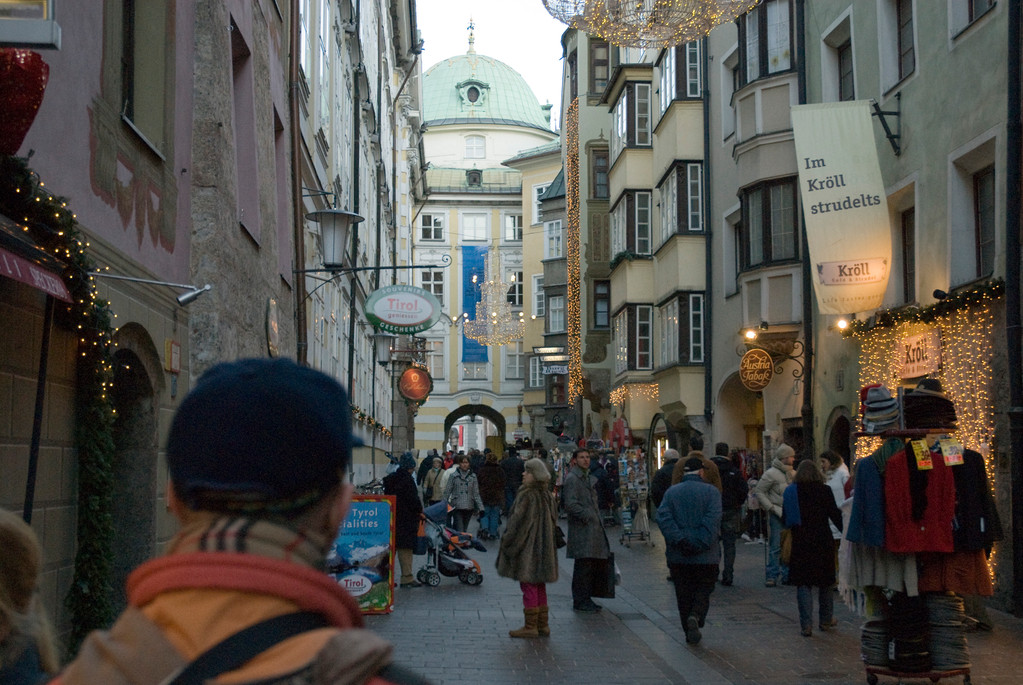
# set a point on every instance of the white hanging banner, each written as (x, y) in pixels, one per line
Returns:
(844, 205)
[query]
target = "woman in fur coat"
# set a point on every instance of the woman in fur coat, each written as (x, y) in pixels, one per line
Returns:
(528, 552)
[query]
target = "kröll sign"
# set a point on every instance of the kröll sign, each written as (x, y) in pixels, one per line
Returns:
(402, 309)
(756, 369)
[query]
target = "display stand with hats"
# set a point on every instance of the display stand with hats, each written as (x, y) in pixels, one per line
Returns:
(902, 552)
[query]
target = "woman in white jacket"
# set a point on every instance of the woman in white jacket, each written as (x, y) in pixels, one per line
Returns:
(770, 494)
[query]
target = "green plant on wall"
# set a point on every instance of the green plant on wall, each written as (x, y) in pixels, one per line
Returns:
(48, 222)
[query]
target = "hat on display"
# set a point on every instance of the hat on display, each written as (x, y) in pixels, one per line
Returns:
(692, 465)
(880, 409)
(927, 406)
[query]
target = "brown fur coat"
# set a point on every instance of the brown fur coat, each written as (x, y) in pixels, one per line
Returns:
(528, 553)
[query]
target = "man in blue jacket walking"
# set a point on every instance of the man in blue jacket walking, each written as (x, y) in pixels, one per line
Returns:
(690, 519)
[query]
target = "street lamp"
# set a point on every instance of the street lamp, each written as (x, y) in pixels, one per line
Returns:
(382, 342)
(335, 226)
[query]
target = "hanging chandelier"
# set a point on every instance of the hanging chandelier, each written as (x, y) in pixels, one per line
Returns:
(495, 323)
(647, 23)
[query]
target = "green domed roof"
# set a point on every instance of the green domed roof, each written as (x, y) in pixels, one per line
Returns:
(473, 88)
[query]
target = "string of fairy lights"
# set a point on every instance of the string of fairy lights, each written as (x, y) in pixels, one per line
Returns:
(966, 324)
(628, 391)
(572, 251)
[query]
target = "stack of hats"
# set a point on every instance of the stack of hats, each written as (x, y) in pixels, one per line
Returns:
(949, 650)
(927, 406)
(880, 410)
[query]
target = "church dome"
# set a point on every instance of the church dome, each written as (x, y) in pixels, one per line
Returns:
(476, 89)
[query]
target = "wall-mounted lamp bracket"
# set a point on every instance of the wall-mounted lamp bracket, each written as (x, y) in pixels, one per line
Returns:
(192, 291)
(340, 271)
(893, 138)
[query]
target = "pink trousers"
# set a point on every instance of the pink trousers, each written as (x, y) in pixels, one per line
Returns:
(533, 595)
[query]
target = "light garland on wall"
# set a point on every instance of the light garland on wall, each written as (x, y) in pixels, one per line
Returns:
(495, 323)
(572, 252)
(647, 23)
(967, 348)
(619, 395)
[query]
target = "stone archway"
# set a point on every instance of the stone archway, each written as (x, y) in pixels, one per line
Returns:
(478, 410)
(838, 433)
(138, 381)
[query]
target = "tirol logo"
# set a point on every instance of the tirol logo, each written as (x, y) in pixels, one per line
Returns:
(852, 272)
(756, 369)
(355, 584)
(403, 309)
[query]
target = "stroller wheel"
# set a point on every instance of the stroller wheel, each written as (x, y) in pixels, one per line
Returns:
(422, 576)
(433, 580)
(471, 578)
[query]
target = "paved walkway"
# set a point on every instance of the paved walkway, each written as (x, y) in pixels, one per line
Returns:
(455, 634)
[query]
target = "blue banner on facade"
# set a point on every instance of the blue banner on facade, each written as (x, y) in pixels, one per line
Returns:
(472, 265)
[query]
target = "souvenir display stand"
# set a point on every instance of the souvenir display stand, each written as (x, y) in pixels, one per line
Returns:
(634, 487)
(921, 520)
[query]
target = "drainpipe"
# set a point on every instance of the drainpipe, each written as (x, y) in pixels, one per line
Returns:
(708, 350)
(356, 179)
(1013, 159)
(808, 293)
(298, 216)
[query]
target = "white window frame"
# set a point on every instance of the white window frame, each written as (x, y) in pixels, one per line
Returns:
(668, 319)
(694, 70)
(888, 44)
(620, 339)
(435, 227)
(696, 327)
(554, 240)
(642, 119)
(729, 66)
(475, 371)
(667, 84)
(644, 332)
(432, 281)
(479, 232)
(475, 147)
(618, 224)
(959, 14)
(694, 196)
(535, 372)
(620, 126)
(963, 165)
(642, 228)
(514, 361)
(538, 190)
(539, 302)
(668, 199)
(512, 223)
(516, 288)
(556, 314)
(436, 357)
(834, 37)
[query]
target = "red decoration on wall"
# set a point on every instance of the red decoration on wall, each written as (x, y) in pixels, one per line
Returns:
(23, 76)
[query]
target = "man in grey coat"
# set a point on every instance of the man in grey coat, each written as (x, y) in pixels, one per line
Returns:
(690, 519)
(587, 542)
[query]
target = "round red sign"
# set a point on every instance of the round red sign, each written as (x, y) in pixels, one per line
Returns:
(756, 369)
(415, 384)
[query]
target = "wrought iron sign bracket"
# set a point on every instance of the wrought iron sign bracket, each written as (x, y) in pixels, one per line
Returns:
(893, 138)
(781, 351)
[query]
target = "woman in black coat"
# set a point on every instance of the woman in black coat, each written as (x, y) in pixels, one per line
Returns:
(809, 504)
(408, 507)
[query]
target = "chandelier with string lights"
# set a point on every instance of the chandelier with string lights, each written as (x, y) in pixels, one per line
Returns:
(647, 23)
(495, 323)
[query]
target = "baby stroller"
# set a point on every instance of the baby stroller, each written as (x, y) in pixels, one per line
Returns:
(444, 555)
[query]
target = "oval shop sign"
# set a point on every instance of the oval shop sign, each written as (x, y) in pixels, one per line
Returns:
(403, 309)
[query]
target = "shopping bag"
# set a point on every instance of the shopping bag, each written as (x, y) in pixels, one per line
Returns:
(786, 546)
(604, 578)
(419, 546)
(559, 537)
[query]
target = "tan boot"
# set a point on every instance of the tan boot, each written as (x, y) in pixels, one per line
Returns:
(543, 629)
(528, 630)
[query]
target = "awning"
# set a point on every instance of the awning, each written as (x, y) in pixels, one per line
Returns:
(28, 273)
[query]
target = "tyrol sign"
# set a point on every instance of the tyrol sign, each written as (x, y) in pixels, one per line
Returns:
(402, 309)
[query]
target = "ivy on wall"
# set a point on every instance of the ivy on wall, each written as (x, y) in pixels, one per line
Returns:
(47, 221)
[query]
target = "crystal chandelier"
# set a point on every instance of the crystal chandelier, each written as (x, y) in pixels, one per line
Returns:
(647, 23)
(495, 323)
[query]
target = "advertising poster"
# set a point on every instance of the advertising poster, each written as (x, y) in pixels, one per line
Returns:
(362, 559)
(844, 205)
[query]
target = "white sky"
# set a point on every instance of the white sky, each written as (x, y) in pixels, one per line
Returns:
(520, 33)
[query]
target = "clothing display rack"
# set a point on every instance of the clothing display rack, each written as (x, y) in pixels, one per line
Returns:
(634, 487)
